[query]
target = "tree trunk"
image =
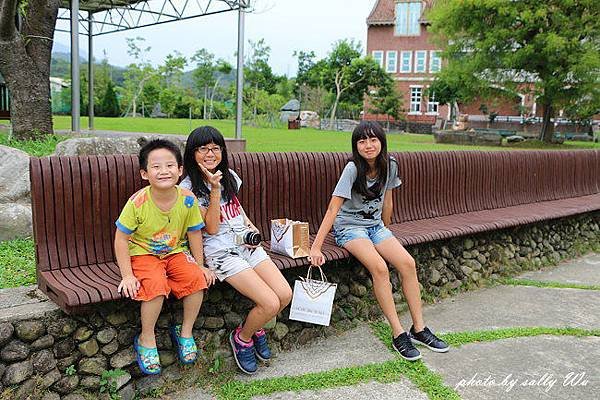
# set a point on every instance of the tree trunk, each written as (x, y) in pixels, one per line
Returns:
(25, 65)
(547, 133)
(204, 103)
(212, 96)
(333, 111)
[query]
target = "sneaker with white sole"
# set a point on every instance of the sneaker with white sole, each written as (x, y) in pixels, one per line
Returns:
(404, 346)
(428, 339)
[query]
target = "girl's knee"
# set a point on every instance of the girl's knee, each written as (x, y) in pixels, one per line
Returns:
(270, 305)
(407, 266)
(380, 271)
(285, 297)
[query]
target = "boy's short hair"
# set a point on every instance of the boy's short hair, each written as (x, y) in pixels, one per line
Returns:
(158, 144)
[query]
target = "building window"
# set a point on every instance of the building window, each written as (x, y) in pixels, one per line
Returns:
(420, 57)
(416, 93)
(407, 18)
(435, 62)
(378, 57)
(432, 105)
(392, 61)
(406, 61)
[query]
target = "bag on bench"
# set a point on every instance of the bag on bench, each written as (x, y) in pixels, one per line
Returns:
(290, 238)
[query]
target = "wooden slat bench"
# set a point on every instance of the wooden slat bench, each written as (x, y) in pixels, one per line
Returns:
(76, 200)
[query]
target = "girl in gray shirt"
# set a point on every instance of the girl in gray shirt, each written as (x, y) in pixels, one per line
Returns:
(359, 212)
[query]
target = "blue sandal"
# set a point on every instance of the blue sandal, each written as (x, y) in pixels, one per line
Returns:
(147, 358)
(185, 346)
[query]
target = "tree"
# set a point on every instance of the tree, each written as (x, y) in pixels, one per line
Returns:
(204, 74)
(386, 101)
(110, 103)
(223, 68)
(553, 45)
(25, 52)
(137, 74)
(352, 75)
(456, 84)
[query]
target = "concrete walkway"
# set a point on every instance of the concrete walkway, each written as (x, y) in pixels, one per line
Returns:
(538, 367)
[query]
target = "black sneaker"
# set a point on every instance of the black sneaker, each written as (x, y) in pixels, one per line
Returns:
(404, 346)
(429, 340)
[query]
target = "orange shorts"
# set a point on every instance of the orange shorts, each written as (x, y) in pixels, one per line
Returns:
(177, 273)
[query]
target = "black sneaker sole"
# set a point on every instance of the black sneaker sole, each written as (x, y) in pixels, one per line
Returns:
(434, 349)
(407, 358)
(235, 357)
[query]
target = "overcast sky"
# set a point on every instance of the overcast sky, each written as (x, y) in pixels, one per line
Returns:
(286, 25)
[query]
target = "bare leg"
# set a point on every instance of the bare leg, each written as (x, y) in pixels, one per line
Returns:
(150, 310)
(251, 285)
(271, 275)
(392, 251)
(191, 308)
(367, 255)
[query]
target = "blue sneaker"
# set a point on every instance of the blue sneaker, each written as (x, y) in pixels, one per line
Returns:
(243, 352)
(260, 345)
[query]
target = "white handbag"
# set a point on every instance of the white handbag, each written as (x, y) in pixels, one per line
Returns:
(313, 299)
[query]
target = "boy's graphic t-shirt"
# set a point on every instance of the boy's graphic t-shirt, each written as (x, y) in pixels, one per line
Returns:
(232, 221)
(157, 232)
(357, 210)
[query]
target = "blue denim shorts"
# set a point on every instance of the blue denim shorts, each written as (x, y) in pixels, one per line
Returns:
(375, 234)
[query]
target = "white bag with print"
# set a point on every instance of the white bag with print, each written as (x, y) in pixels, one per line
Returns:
(313, 299)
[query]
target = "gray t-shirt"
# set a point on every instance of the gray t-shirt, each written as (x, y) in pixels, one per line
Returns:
(232, 221)
(357, 210)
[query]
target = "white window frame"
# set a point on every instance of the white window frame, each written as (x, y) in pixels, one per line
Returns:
(435, 55)
(431, 102)
(381, 60)
(410, 25)
(415, 106)
(417, 53)
(402, 53)
(389, 57)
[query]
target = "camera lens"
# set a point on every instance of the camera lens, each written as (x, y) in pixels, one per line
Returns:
(252, 238)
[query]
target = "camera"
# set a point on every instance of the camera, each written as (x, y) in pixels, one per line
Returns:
(250, 238)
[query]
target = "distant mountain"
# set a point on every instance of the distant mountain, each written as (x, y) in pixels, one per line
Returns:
(64, 51)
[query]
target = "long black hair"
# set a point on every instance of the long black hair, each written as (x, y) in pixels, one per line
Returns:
(365, 130)
(202, 136)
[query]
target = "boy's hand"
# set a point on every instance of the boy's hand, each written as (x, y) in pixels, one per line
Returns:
(213, 179)
(210, 276)
(129, 286)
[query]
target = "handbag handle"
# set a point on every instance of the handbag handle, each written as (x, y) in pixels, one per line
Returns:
(309, 273)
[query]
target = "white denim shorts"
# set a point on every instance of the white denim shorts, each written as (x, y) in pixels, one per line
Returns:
(235, 260)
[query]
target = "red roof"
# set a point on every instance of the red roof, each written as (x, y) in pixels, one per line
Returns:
(383, 12)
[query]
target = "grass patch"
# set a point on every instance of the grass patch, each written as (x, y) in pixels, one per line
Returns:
(387, 372)
(384, 333)
(17, 263)
(37, 148)
(548, 284)
(281, 139)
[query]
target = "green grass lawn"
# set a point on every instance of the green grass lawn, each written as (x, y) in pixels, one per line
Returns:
(38, 148)
(281, 139)
(17, 263)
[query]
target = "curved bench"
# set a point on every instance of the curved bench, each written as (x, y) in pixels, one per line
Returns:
(75, 201)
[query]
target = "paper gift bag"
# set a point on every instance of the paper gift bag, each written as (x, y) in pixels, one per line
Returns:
(313, 299)
(290, 238)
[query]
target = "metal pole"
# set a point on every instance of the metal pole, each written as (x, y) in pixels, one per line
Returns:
(239, 87)
(75, 84)
(90, 72)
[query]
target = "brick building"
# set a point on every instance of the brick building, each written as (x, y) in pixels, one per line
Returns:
(398, 39)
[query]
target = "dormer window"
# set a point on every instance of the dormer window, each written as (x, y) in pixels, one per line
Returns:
(407, 18)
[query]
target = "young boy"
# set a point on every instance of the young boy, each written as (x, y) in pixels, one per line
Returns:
(156, 228)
